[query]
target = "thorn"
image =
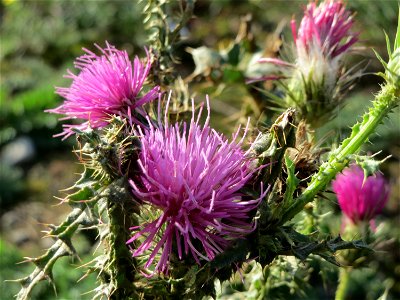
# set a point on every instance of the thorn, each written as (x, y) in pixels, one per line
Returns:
(62, 201)
(22, 281)
(27, 260)
(47, 234)
(52, 226)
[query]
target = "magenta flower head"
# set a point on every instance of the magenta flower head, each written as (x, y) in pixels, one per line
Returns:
(109, 84)
(316, 76)
(324, 35)
(360, 198)
(325, 28)
(192, 176)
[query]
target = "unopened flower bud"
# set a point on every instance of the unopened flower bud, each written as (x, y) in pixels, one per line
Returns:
(360, 198)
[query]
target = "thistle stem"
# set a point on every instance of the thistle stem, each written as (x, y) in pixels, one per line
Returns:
(384, 102)
(342, 288)
(121, 265)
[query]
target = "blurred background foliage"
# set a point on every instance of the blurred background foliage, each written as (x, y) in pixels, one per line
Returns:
(39, 41)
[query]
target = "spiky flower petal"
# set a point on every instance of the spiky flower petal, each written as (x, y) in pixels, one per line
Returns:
(316, 79)
(193, 176)
(326, 28)
(360, 198)
(324, 35)
(108, 84)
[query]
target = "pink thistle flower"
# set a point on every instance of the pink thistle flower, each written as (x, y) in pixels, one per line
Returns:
(317, 81)
(326, 28)
(107, 85)
(360, 198)
(324, 35)
(193, 176)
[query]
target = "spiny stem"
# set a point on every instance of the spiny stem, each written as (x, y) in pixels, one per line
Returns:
(384, 103)
(121, 264)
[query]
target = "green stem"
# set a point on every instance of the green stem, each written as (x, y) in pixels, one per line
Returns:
(341, 291)
(384, 102)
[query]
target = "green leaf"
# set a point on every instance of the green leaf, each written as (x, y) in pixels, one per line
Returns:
(232, 75)
(291, 182)
(234, 55)
(368, 164)
(388, 46)
(380, 59)
(303, 245)
(79, 216)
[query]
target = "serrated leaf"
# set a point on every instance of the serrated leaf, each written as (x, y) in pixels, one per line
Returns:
(62, 247)
(304, 245)
(86, 180)
(339, 244)
(43, 271)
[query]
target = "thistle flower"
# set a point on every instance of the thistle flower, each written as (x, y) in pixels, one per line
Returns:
(316, 79)
(322, 38)
(325, 28)
(324, 35)
(109, 84)
(193, 176)
(360, 198)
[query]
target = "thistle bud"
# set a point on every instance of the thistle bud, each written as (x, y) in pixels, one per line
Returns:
(360, 198)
